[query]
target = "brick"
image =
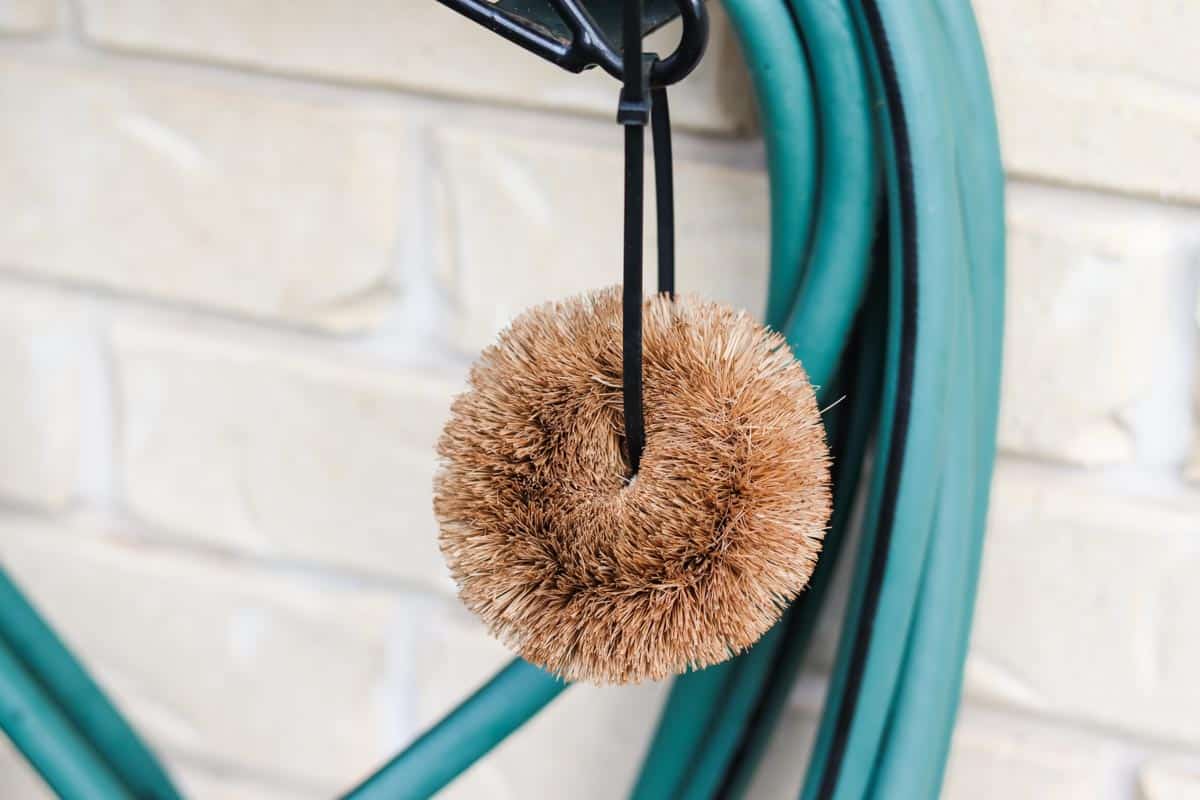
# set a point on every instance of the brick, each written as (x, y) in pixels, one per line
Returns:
(268, 450)
(996, 758)
(595, 737)
(1089, 283)
(43, 344)
(27, 16)
(781, 772)
(417, 46)
(992, 756)
(212, 784)
(1170, 779)
(230, 665)
(244, 201)
(306, 683)
(1193, 468)
(17, 779)
(527, 220)
(1084, 602)
(1100, 93)
(588, 744)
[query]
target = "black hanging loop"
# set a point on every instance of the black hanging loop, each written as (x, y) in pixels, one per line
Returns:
(633, 111)
(639, 105)
(576, 35)
(664, 189)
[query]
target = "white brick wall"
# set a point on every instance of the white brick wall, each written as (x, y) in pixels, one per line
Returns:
(275, 452)
(993, 757)
(27, 16)
(1098, 92)
(43, 347)
(1103, 587)
(1094, 276)
(1170, 780)
(520, 197)
(405, 45)
(244, 265)
(176, 191)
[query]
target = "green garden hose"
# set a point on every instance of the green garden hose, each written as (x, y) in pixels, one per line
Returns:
(887, 278)
(893, 696)
(501, 706)
(45, 692)
(41, 730)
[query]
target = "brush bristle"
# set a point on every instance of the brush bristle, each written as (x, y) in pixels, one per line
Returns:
(600, 578)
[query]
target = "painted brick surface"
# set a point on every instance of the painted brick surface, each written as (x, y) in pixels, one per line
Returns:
(27, 16)
(218, 785)
(277, 453)
(1193, 469)
(278, 674)
(993, 757)
(17, 778)
(19, 781)
(1084, 599)
(598, 736)
(416, 46)
(1088, 281)
(43, 344)
(531, 221)
(1167, 779)
(235, 200)
(1098, 93)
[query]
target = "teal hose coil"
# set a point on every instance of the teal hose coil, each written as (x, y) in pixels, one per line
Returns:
(887, 277)
(59, 718)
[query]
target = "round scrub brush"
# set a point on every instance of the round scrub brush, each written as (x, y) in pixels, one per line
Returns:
(599, 575)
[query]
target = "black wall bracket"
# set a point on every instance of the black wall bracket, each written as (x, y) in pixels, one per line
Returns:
(577, 35)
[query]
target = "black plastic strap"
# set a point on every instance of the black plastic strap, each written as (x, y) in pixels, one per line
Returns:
(633, 112)
(631, 320)
(639, 106)
(664, 189)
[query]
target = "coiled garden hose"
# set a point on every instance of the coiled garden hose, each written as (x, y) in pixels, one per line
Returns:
(59, 718)
(887, 278)
(892, 700)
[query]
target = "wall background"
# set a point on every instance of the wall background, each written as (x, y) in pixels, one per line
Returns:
(248, 249)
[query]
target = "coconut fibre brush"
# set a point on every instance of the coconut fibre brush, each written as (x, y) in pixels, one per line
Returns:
(601, 575)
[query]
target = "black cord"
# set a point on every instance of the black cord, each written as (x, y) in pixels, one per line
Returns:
(664, 189)
(640, 105)
(631, 320)
(633, 112)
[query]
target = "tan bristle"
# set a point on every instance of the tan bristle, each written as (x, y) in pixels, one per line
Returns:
(602, 579)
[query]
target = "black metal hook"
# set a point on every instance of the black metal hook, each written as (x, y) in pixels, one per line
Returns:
(567, 33)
